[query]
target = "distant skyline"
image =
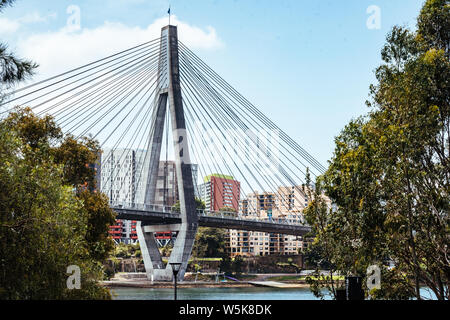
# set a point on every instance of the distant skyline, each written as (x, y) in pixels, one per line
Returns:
(307, 65)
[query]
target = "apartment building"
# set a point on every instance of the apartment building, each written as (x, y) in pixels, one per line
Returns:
(220, 191)
(285, 205)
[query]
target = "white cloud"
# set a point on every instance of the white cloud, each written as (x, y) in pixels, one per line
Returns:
(10, 26)
(62, 50)
(34, 17)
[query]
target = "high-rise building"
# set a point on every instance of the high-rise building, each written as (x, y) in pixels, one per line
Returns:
(219, 192)
(167, 183)
(123, 178)
(118, 175)
(284, 205)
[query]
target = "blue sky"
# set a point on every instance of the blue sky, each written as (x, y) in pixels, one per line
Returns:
(306, 64)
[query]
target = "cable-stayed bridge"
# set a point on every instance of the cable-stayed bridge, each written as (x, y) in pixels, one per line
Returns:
(159, 100)
(167, 216)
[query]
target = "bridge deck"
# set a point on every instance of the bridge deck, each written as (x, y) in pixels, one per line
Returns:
(165, 218)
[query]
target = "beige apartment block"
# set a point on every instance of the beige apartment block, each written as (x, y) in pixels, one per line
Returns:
(286, 205)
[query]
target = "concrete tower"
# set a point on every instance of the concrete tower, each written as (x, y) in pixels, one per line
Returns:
(169, 94)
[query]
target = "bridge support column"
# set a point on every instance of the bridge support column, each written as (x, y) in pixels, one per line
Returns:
(170, 91)
(149, 250)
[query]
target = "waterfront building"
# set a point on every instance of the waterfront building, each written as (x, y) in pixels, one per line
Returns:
(220, 191)
(252, 243)
(285, 205)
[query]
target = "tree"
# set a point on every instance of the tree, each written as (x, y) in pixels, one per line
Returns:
(433, 26)
(47, 220)
(12, 69)
(209, 243)
(329, 248)
(47, 143)
(412, 119)
(226, 265)
(229, 211)
(51, 217)
(5, 3)
(238, 265)
(390, 172)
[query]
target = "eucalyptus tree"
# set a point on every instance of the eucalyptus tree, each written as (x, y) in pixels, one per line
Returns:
(390, 173)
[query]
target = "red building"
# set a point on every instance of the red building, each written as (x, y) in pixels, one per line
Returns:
(220, 191)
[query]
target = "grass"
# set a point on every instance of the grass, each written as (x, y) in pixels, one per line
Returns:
(206, 259)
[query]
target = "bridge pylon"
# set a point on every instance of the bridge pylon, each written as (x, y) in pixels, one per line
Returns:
(169, 94)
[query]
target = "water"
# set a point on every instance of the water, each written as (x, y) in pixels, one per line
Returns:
(252, 293)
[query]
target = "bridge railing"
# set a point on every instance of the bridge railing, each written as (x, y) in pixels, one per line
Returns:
(203, 213)
(145, 207)
(235, 216)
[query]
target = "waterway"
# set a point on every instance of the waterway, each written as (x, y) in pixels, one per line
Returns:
(252, 293)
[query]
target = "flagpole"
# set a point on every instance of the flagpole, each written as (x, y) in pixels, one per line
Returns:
(169, 15)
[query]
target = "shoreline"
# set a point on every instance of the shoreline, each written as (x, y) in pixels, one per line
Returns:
(139, 280)
(162, 285)
(122, 282)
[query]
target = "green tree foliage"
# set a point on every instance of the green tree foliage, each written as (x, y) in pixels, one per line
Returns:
(434, 29)
(390, 172)
(126, 251)
(226, 265)
(49, 217)
(100, 218)
(166, 251)
(210, 243)
(238, 265)
(326, 251)
(75, 155)
(232, 266)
